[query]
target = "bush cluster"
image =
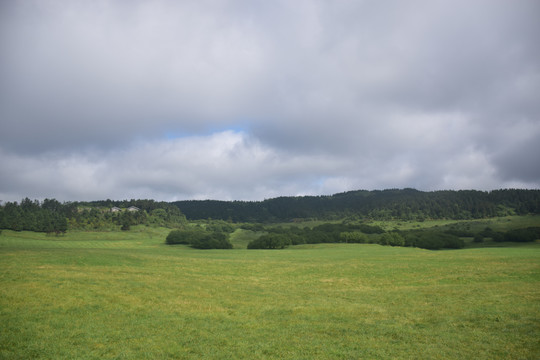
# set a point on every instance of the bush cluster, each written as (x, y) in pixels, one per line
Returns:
(199, 239)
(460, 232)
(432, 240)
(324, 233)
(522, 235)
(278, 238)
(516, 235)
(214, 240)
(353, 237)
(215, 236)
(392, 239)
(270, 241)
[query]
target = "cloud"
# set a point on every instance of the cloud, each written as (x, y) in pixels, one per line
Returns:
(226, 165)
(518, 161)
(229, 166)
(239, 100)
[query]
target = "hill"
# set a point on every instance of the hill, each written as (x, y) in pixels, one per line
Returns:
(404, 204)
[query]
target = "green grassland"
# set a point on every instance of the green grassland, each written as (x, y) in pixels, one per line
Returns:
(126, 295)
(240, 238)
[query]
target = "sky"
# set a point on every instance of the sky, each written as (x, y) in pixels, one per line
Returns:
(249, 100)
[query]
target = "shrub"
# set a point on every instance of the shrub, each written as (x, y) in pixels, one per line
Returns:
(370, 229)
(497, 236)
(392, 239)
(330, 228)
(487, 232)
(523, 235)
(297, 239)
(478, 238)
(220, 226)
(319, 237)
(453, 242)
(433, 240)
(428, 241)
(460, 232)
(270, 241)
(353, 237)
(216, 240)
(183, 236)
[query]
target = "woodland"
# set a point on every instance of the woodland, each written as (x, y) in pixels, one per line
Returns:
(340, 218)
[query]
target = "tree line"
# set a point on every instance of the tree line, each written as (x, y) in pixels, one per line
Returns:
(49, 216)
(52, 216)
(432, 239)
(279, 238)
(403, 204)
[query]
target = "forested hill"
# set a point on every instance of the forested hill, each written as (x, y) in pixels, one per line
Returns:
(405, 204)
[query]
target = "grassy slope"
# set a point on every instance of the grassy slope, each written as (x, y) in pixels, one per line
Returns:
(127, 296)
(241, 238)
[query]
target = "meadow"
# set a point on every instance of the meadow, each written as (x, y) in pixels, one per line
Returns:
(127, 295)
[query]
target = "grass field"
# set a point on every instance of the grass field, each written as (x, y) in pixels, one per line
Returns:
(126, 295)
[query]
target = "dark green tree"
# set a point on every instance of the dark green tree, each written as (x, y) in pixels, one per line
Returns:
(270, 241)
(215, 240)
(392, 239)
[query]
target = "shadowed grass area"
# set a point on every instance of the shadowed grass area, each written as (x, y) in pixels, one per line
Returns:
(125, 295)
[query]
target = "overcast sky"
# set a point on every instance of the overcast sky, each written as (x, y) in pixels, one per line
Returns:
(247, 100)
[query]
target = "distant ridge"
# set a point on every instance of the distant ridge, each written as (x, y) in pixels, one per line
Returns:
(405, 204)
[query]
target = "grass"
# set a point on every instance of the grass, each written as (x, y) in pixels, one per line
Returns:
(240, 238)
(126, 295)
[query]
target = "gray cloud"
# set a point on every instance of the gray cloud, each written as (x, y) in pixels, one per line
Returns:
(519, 160)
(239, 100)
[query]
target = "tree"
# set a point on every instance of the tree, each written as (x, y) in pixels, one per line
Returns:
(52, 205)
(182, 237)
(199, 239)
(523, 235)
(433, 240)
(13, 217)
(497, 236)
(215, 240)
(126, 220)
(478, 238)
(392, 239)
(158, 216)
(353, 237)
(270, 241)
(58, 223)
